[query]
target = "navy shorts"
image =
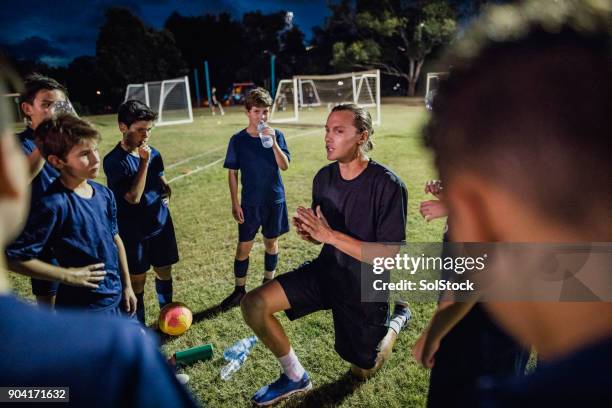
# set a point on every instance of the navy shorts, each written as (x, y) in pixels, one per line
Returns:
(272, 218)
(359, 326)
(41, 287)
(159, 250)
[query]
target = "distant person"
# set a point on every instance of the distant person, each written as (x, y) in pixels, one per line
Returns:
(521, 137)
(355, 201)
(135, 173)
(76, 220)
(215, 103)
(262, 203)
(36, 101)
(104, 362)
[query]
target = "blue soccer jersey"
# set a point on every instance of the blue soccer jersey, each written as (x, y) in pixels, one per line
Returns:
(79, 232)
(259, 173)
(147, 218)
(47, 174)
(105, 362)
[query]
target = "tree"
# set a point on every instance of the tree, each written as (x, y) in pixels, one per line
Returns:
(396, 37)
(127, 51)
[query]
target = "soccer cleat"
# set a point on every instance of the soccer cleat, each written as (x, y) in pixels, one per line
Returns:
(233, 299)
(281, 389)
(401, 316)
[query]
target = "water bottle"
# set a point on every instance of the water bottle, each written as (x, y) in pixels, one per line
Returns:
(233, 366)
(241, 346)
(266, 140)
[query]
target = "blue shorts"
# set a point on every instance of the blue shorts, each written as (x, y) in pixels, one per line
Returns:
(272, 218)
(159, 250)
(42, 287)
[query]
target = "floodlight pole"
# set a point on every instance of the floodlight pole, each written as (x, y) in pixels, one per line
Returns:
(207, 84)
(197, 86)
(272, 75)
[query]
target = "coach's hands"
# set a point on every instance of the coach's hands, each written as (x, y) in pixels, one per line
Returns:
(425, 348)
(86, 276)
(314, 225)
(297, 223)
(129, 300)
(237, 213)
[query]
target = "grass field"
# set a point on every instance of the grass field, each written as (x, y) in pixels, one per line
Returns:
(207, 235)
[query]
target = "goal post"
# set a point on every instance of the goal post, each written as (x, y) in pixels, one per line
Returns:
(170, 99)
(308, 99)
(431, 87)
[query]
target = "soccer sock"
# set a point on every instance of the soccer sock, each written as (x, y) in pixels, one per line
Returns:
(270, 262)
(397, 323)
(140, 307)
(240, 272)
(292, 366)
(164, 291)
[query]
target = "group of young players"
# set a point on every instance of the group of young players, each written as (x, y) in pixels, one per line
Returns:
(500, 105)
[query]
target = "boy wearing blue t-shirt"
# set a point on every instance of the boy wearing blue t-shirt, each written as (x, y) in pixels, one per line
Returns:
(257, 154)
(36, 101)
(76, 220)
(135, 173)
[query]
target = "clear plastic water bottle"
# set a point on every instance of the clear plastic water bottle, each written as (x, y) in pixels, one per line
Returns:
(266, 140)
(241, 346)
(234, 365)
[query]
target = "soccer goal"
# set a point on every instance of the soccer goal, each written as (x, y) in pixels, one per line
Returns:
(307, 99)
(169, 98)
(431, 89)
(12, 103)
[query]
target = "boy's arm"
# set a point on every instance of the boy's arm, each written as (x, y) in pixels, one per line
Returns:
(134, 194)
(281, 158)
(232, 177)
(447, 315)
(36, 163)
(166, 186)
(87, 276)
(129, 298)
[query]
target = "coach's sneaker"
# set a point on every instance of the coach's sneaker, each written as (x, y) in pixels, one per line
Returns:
(401, 315)
(281, 389)
(234, 298)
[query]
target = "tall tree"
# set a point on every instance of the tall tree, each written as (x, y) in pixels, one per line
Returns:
(127, 51)
(396, 36)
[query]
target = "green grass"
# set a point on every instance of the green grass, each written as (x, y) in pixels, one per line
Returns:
(207, 237)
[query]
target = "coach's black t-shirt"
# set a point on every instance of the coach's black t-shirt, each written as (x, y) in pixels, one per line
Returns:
(371, 207)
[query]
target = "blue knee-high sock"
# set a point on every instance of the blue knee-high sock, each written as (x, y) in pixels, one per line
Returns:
(241, 268)
(270, 261)
(140, 307)
(164, 291)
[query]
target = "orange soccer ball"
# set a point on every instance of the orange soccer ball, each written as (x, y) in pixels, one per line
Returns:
(175, 318)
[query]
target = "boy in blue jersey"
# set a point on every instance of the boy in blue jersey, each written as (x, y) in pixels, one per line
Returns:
(521, 164)
(135, 173)
(104, 362)
(262, 203)
(40, 92)
(76, 220)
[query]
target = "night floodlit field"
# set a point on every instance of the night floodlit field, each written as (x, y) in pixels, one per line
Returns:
(207, 235)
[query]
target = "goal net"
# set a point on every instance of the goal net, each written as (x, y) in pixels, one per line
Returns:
(169, 98)
(431, 89)
(308, 99)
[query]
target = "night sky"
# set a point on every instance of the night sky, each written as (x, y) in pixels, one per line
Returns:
(56, 31)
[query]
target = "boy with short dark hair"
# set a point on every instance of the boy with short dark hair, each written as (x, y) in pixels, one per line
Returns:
(36, 101)
(75, 219)
(70, 349)
(262, 203)
(135, 173)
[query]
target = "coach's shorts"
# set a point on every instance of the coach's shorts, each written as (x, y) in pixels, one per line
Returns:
(359, 327)
(272, 218)
(159, 250)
